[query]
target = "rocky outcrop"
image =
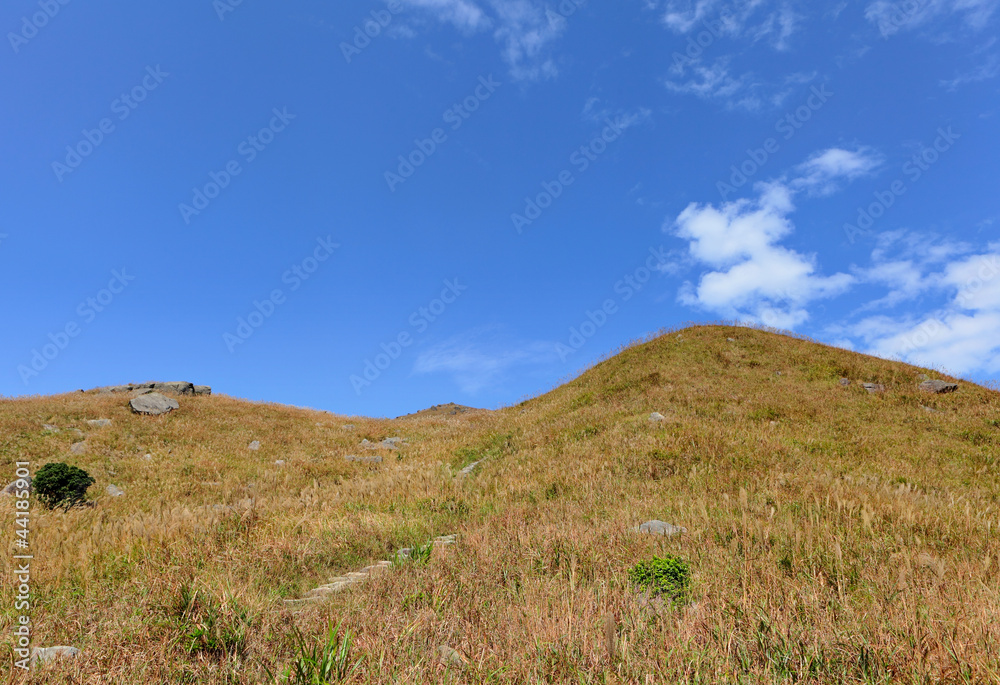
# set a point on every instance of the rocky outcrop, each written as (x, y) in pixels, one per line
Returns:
(174, 387)
(153, 404)
(938, 387)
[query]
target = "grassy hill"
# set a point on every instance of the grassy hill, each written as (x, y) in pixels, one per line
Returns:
(833, 535)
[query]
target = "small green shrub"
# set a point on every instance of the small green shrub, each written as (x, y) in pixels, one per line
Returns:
(59, 485)
(322, 663)
(669, 576)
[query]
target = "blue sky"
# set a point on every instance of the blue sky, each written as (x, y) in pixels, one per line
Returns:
(372, 207)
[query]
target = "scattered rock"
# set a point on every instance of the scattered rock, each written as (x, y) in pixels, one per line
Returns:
(450, 657)
(874, 388)
(348, 426)
(50, 428)
(44, 655)
(147, 457)
(254, 446)
(365, 442)
(470, 468)
(938, 387)
(115, 491)
(845, 382)
(659, 528)
(177, 387)
(930, 410)
(392, 443)
(12, 488)
(279, 462)
(78, 448)
(730, 339)
(657, 417)
(153, 404)
(375, 459)
(99, 423)
(202, 390)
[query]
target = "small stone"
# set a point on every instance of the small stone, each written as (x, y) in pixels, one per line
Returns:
(348, 426)
(366, 441)
(50, 428)
(930, 410)
(659, 528)
(874, 388)
(451, 657)
(845, 382)
(392, 443)
(78, 448)
(114, 491)
(404, 553)
(938, 387)
(153, 404)
(254, 446)
(730, 339)
(14, 487)
(279, 462)
(657, 417)
(99, 423)
(147, 457)
(44, 655)
(470, 468)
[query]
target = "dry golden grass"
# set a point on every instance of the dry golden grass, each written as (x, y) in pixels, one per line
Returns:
(833, 535)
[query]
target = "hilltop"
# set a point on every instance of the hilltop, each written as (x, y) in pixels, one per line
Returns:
(834, 533)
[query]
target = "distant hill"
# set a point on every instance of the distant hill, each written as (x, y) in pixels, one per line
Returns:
(450, 409)
(823, 531)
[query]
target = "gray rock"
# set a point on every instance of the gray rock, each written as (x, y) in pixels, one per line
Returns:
(147, 457)
(254, 446)
(50, 428)
(657, 417)
(470, 468)
(451, 658)
(99, 423)
(202, 390)
(659, 528)
(13, 488)
(930, 410)
(44, 655)
(845, 382)
(392, 443)
(114, 491)
(78, 448)
(374, 459)
(176, 387)
(365, 442)
(279, 462)
(874, 388)
(730, 339)
(153, 404)
(938, 387)
(348, 426)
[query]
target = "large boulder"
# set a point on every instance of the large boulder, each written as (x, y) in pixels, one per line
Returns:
(938, 387)
(153, 404)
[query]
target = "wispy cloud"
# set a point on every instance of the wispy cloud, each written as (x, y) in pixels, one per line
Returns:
(824, 171)
(525, 29)
(754, 20)
(483, 357)
(891, 17)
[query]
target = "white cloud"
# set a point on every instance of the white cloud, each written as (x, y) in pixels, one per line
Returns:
(525, 29)
(905, 15)
(752, 19)
(821, 172)
(983, 72)
(961, 336)
(753, 277)
(715, 82)
(479, 358)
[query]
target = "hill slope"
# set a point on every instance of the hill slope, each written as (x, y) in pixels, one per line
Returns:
(832, 534)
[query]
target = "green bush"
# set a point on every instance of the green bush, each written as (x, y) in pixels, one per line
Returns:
(322, 663)
(669, 576)
(59, 485)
